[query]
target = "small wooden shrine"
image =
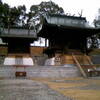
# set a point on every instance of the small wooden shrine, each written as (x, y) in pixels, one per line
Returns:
(66, 32)
(18, 41)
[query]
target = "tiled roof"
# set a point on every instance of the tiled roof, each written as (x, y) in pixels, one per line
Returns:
(15, 32)
(65, 20)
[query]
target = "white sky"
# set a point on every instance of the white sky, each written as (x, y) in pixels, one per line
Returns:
(89, 7)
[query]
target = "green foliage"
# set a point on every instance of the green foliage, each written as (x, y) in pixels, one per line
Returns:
(46, 8)
(17, 16)
(96, 38)
(50, 7)
(11, 16)
(93, 41)
(43, 9)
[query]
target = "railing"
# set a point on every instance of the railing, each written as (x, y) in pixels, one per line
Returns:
(90, 62)
(87, 70)
(79, 66)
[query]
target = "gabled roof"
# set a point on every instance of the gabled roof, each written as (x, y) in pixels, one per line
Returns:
(65, 25)
(65, 20)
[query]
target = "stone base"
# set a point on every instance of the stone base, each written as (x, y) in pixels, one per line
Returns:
(18, 61)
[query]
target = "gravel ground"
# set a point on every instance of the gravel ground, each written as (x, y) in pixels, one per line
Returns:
(24, 89)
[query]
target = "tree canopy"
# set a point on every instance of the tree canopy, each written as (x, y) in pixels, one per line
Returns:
(17, 16)
(11, 16)
(43, 9)
(95, 39)
(46, 8)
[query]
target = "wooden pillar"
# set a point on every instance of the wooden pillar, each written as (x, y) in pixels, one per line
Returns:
(45, 42)
(85, 45)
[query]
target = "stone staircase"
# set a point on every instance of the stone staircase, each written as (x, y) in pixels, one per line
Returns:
(41, 71)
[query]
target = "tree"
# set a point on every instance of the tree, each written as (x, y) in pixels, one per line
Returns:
(22, 14)
(94, 40)
(50, 8)
(17, 16)
(1, 8)
(97, 20)
(4, 13)
(12, 16)
(37, 12)
(1, 14)
(0, 1)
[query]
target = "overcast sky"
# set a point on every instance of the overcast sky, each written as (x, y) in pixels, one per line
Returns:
(89, 7)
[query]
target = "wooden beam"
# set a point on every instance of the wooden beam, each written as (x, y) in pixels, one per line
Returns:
(79, 66)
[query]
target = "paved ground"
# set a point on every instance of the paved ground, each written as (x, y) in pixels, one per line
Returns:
(50, 89)
(24, 89)
(77, 88)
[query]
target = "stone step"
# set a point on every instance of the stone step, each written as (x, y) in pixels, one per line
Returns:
(40, 71)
